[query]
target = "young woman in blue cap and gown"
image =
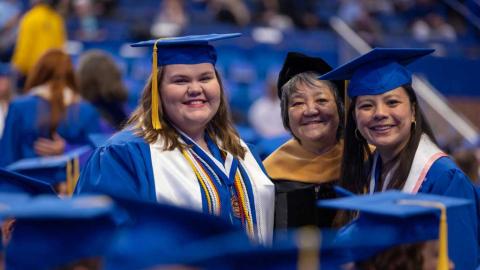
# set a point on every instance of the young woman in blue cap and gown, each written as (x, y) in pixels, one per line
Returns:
(180, 146)
(50, 117)
(384, 112)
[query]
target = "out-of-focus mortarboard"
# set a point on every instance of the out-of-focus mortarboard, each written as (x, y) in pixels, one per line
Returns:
(52, 169)
(12, 182)
(296, 63)
(378, 71)
(49, 232)
(189, 50)
(395, 218)
(157, 234)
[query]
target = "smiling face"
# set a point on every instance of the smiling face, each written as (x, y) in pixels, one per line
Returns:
(385, 120)
(313, 115)
(190, 96)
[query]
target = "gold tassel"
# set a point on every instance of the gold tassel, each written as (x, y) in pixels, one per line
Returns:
(75, 175)
(308, 242)
(443, 260)
(69, 177)
(155, 118)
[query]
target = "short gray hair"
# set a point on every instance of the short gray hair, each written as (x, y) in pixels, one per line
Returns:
(309, 78)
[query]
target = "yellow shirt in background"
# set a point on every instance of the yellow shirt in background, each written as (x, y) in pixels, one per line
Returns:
(41, 28)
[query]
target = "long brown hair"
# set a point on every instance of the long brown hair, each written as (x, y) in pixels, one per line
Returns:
(55, 69)
(220, 128)
(357, 156)
(99, 78)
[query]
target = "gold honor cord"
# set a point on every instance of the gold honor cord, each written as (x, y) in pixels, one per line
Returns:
(443, 260)
(155, 118)
(308, 241)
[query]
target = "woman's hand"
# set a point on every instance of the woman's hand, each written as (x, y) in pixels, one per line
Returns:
(47, 147)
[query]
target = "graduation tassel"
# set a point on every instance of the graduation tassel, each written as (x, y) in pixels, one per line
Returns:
(308, 242)
(69, 178)
(75, 174)
(155, 118)
(443, 260)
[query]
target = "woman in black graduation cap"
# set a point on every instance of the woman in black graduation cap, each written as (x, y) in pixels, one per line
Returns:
(305, 167)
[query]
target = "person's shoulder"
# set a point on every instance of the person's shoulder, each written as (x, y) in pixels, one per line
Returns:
(86, 106)
(279, 154)
(125, 137)
(444, 172)
(25, 100)
(444, 165)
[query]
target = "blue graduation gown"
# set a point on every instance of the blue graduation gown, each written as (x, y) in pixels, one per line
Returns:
(122, 167)
(445, 178)
(22, 127)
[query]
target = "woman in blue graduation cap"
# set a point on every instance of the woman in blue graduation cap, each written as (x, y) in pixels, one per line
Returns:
(305, 168)
(385, 113)
(180, 146)
(51, 116)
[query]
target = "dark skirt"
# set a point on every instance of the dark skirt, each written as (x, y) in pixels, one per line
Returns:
(295, 204)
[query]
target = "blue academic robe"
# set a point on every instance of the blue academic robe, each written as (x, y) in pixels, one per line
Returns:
(122, 167)
(445, 178)
(23, 126)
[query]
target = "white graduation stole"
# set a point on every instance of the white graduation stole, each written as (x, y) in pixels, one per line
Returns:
(425, 155)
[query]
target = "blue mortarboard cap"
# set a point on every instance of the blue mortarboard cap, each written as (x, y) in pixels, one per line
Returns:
(171, 228)
(192, 49)
(188, 50)
(378, 71)
(156, 234)
(50, 232)
(293, 250)
(11, 182)
(52, 169)
(396, 218)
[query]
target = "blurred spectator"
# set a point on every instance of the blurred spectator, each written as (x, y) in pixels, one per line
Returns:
(41, 28)
(433, 27)
(88, 28)
(6, 93)
(100, 82)
(9, 18)
(355, 14)
(283, 13)
(52, 114)
(265, 115)
(269, 14)
(171, 19)
(231, 11)
(467, 160)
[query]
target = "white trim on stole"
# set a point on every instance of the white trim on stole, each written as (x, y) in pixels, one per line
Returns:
(427, 153)
(176, 184)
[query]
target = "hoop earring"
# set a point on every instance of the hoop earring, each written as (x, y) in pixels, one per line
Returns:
(414, 124)
(358, 137)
